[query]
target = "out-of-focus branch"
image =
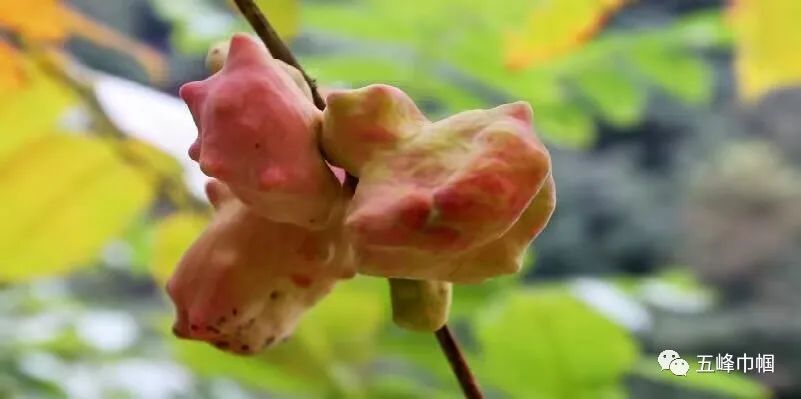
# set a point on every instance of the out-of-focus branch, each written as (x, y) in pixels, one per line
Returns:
(80, 80)
(151, 60)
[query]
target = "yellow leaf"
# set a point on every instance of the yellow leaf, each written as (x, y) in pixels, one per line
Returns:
(62, 198)
(768, 36)
(11, 71)
(150, 160)
(283, 15)
(172, 238)
(554, 28)
(33, 108)
(34, 19)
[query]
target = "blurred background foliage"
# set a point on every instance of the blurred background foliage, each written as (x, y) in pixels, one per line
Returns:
(675, 135)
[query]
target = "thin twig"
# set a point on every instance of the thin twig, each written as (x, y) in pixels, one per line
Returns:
(280, 51)
(458, 363)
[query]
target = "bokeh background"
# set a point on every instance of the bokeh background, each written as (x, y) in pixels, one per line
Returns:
(675, 131)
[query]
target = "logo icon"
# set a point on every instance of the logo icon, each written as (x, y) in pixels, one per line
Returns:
(670, 360)
(679, 367)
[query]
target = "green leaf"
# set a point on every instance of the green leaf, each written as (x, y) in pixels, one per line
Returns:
(210, 362)
(682, 278)
(613, 92)
(63, 197)
(536, 344)
(565, 124)
(677, 72)
(424, 85)
(388, 21)
(355, 70)
(394, 386)
(450, 43)
(466, 37)
(539, 87)
(343, 327)
(703, 28)
(417, 351)
(730, 385)
(469, 297)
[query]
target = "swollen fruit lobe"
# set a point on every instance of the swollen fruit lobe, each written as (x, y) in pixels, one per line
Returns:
(257, 132)
(499, 257)
(359, 123)
(218, 53)
(434, 192)
(246, 281)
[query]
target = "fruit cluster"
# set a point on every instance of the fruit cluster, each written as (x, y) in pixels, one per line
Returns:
(456, 200)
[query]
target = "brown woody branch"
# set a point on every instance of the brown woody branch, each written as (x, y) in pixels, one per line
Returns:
(280, 51)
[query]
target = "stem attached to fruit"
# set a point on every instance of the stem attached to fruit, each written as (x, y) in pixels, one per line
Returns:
(280, 51)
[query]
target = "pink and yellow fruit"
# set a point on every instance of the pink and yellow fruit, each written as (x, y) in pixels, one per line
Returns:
(245, 282)
(456, 200)
(257, 132)
(434, 193)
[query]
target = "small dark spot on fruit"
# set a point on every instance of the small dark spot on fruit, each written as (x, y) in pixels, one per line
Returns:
(257, 146)
(301, 280)
(177, 332)
(193, 327)
(269, 340)
(250, 323)
(234, 311)
(275, 295)
(221, 344)
(212, 329)
(221, 320)
(245, 348)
